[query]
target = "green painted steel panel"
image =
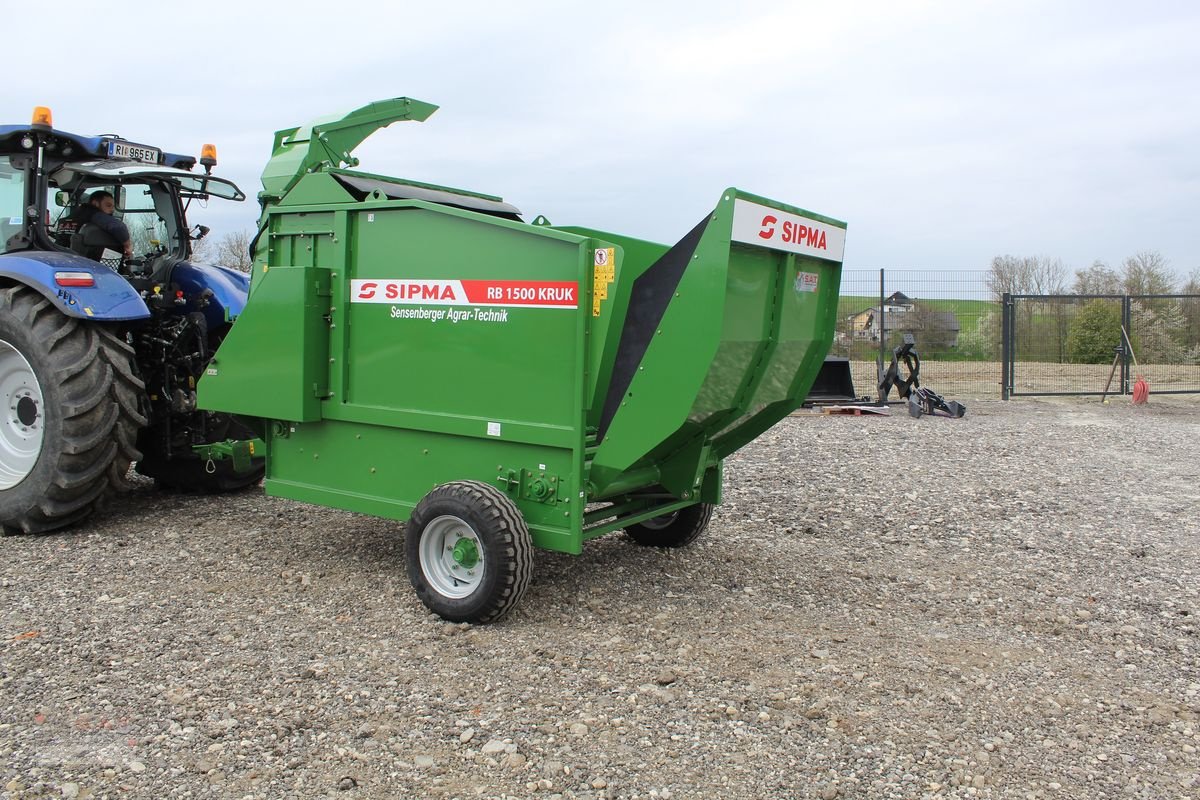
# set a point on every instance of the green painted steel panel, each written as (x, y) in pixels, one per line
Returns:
(742, 339)
(385, 471)
(274, 362)
(429, 348)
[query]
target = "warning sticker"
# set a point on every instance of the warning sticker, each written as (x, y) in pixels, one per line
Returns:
(807, 281)
(603, 274)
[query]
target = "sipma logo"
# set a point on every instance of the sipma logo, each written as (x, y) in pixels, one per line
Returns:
(768, 226)
(410, 290)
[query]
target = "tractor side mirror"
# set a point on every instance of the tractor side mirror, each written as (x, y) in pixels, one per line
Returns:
(62, 199)
(201, 232)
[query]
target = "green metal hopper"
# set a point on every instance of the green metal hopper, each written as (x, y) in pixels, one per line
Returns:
(419, 353)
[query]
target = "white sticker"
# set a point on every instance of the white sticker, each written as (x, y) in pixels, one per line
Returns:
(761, 225)
(370, 217)
(14, 220)
(493, 429)
(807, 281)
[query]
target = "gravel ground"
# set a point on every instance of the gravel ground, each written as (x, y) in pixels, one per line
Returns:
(1000, 606)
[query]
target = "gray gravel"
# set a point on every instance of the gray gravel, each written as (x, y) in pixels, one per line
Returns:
(1000, 606)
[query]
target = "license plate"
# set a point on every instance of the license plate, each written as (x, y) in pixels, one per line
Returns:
(134, 152)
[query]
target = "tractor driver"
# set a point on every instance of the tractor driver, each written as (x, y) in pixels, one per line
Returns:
(99, 213)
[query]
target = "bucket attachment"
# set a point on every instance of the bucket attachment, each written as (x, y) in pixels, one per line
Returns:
(834, 383)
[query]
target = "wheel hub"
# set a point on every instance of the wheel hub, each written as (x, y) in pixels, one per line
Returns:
(22, 424)
(27, 411)
(465, 553)
(452, 558)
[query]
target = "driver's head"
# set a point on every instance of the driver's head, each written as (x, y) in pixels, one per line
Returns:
(104, 201)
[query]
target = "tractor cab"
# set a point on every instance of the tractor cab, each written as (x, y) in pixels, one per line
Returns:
(48, 178)
(149, 200)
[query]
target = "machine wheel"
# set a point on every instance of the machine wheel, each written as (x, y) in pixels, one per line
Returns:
(189, 473)
(469, 553)
(676, 529)
(70, 409)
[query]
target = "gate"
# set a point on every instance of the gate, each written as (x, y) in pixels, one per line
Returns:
(1073, 344)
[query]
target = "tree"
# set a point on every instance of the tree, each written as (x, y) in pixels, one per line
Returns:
(1099, 278)
(1026, 275)
(1160, 327)
(1095, 331)
(1031, 275)
(231, 250)
(1007, 275)
(1148, 272)
(1191, 308)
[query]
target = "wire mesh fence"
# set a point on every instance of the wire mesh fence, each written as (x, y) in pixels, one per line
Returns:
(1098, 344)
(951, 315)
(973, 344)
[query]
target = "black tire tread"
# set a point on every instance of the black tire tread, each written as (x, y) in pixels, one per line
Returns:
(502, 514)
(683, 530)
(99, 401)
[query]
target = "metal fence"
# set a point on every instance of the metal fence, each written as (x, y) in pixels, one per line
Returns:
(1096, 344)
(950, 314)
(974, 346)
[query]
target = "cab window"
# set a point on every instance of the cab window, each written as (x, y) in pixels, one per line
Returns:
(12, 200)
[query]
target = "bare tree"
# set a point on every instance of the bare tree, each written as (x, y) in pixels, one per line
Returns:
(1031, 275)
(1099, 278)
(1008, 275)
(202, 250)
(1148, 272)
(233, 250)
(1191, 311)
(1026, 275)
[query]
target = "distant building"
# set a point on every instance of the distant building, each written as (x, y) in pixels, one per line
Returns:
(903, 315)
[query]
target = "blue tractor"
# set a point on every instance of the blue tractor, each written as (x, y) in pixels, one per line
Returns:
(102, 341)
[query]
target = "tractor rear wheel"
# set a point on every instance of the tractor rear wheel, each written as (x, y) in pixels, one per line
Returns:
(469, 553)
(677, 529)
(71, 405)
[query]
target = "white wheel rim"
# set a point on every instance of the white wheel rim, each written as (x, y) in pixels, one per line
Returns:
(448, 575)
(24, 419)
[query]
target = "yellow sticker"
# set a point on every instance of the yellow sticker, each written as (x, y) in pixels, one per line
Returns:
(87, 311)
(602, 291)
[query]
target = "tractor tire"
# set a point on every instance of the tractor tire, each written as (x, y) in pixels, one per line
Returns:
(469, 553)
(677, 529)
(72, 405)
(188, 473)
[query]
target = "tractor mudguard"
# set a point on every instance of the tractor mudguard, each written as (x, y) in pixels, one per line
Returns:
(229, 290)
(110, 298)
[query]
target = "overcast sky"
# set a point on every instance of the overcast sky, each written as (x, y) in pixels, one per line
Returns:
(944, 133)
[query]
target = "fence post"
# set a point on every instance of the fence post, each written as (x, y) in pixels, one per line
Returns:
(1126, 317)
(1005, 346)
(882, 342)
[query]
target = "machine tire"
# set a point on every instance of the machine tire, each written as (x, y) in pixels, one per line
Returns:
(488, 527)
(77, 382)
(677, 529)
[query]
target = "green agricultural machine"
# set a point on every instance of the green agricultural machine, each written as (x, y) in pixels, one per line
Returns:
(420, 353)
